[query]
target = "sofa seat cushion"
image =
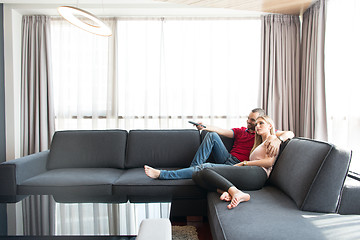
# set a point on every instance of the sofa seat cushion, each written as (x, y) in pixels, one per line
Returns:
(140, 188)
(270, 214)
(77, 181)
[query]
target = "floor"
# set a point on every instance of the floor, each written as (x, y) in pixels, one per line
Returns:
(201, 224)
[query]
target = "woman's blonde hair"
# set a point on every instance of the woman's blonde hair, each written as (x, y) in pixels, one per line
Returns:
(258, 138)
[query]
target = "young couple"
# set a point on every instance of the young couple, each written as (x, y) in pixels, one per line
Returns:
(255, 147)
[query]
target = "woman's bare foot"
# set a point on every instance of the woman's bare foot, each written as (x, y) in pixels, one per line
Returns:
(151, 172)
(238, 198)
(225, 196)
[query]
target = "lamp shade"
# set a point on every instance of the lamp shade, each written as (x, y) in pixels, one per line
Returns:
(84, 20)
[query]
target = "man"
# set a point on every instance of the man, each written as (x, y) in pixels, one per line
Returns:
(243, 143)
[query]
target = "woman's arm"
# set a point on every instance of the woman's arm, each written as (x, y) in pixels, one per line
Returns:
(265, 162)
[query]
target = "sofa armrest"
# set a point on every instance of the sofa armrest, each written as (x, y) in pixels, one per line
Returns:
(350, 198)
(14, 172)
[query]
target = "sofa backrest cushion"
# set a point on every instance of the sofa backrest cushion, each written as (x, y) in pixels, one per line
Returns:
(161, 148)
(312, 173)
(88, 149)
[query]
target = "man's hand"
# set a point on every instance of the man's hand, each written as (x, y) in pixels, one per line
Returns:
(272, 145)
(200, 126)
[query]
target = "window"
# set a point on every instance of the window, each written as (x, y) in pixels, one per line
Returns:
(342, 52)
(156, 73)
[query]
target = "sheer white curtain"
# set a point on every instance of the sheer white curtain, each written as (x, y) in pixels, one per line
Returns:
(156, 73)
(83, 75)
(342, 52)
(175, 70)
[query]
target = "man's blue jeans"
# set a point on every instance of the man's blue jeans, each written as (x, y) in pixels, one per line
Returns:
(211, 143)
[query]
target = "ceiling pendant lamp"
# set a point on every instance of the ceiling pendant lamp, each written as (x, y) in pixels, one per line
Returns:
(84, 20)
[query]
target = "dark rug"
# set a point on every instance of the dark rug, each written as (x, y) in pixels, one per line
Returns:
(184, 233)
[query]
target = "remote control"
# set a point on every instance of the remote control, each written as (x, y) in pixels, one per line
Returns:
(197, 124)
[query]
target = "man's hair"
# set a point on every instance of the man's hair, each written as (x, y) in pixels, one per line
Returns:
(260, 111)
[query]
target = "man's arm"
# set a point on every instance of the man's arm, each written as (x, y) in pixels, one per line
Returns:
(223, 132)
(273, 142)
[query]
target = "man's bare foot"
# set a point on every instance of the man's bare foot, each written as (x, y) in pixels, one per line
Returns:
(151, 172)
(225, 196)
(238, 198)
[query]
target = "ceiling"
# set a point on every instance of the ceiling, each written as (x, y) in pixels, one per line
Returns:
(222, 8)
(294, 7)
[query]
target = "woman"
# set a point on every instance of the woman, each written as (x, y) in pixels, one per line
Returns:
(228, 180)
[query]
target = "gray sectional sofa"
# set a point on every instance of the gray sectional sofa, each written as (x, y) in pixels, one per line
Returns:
(305, 197)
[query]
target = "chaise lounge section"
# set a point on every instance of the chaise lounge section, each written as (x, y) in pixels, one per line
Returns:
(300, 201)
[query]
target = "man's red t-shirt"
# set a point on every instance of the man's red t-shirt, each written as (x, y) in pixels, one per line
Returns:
(243, 143)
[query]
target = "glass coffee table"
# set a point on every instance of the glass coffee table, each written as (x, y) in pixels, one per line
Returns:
(42, 215)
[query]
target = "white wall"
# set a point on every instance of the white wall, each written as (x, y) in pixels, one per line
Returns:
(12, 55)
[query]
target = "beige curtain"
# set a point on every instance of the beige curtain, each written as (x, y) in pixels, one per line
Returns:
(37, 114)
(280, 51)
(312, 99)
